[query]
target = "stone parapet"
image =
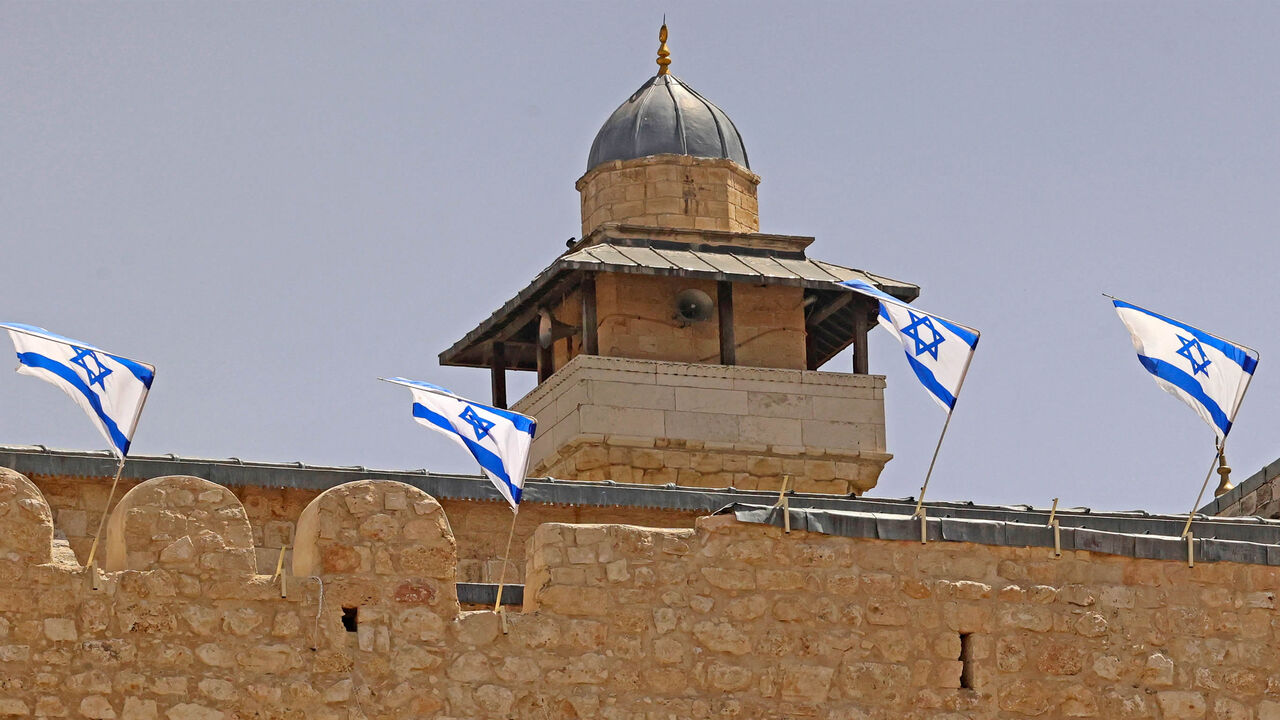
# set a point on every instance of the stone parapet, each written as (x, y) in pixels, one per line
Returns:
(723, 620)
(602, 418)
(673, 191)
(480, 526)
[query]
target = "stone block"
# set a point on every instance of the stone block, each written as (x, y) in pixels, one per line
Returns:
(713, 400)
(632, 395)
(839, 435)
(702, 426)
(623, 421)
(779, 405)
(848, 410)
(1181, 704)
(770, 431)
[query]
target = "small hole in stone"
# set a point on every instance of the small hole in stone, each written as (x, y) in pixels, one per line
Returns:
(350, 618)
(966, 660)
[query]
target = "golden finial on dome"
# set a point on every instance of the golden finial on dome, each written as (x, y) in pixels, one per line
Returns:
(664, 55)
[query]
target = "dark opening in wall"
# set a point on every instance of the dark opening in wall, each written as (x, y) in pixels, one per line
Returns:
(350, 618)
(966, 660)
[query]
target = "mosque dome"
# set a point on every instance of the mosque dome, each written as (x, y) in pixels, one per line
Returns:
(666, 116)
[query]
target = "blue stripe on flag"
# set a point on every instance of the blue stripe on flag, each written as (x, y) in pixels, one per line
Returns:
(1238, 355)
(968, 336)
(1179, 378)
(140, 371)
(930, 382)
(144, 374)
(870, 290)
(35, 360)
(423, 385)
(523, 423)
(486, 457)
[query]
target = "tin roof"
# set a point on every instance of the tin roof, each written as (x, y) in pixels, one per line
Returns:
(1134, 533)
(831, 331)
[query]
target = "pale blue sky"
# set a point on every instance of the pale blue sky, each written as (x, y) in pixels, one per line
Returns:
(276, 203)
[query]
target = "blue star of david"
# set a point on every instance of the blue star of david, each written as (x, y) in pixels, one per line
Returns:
(913, 331)
(93, 367)
(479, 424)
(1193, 351)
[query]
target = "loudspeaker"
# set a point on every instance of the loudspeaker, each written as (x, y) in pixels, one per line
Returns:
(551, 329)
(693, 306)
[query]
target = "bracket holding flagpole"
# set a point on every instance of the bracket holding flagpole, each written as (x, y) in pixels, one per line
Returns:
(284, 587)
(1057, 531)
(784, 502)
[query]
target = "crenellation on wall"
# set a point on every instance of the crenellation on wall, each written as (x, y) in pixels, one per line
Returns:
(726, 619)
(479, 526)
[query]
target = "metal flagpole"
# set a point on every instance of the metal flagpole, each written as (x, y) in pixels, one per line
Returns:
(929, 474)
(951, 411)
(93, 549)
(502, 575)
(1191, 515)
(1221, 446)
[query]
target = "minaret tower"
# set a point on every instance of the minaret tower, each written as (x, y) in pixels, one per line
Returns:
(675, 343)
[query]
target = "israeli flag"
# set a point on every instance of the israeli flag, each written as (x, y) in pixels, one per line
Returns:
(498, 439)
(1204, 371)
(938, 350)
(109, 388)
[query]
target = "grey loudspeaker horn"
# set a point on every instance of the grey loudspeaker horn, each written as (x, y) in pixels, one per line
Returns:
(551, 329)
(693, 306)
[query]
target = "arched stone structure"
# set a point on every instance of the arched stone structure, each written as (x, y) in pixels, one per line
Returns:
(180, 523)
(379, 541)
(26, 523)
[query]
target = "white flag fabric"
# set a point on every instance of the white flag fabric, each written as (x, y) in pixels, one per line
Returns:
(109, 388)
(498, 439)
(938, 350)
(1204, 371)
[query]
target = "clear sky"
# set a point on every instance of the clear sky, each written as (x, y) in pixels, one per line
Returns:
(276, 203)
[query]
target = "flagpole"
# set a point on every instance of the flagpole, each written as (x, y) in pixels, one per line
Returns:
(929, 474)
(1191, 515)
(1221, 446)
(502, 574)
(93, 549)
(950, 411)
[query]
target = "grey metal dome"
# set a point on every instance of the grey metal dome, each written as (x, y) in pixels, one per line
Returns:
(667, 116)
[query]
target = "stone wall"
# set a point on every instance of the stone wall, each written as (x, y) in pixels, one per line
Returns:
(673, 191)
(708, 426)
(636, 316)
(1255, 495)
(480, 527)
(723, 620)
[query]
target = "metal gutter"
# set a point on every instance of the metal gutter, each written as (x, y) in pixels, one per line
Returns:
(238, 473)
(882, 526)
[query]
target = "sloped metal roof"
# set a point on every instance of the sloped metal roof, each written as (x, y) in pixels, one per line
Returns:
(1134, 533)
(672, 259)
(726, 263)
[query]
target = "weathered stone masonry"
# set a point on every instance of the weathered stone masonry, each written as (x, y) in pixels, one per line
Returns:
(727, 619)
